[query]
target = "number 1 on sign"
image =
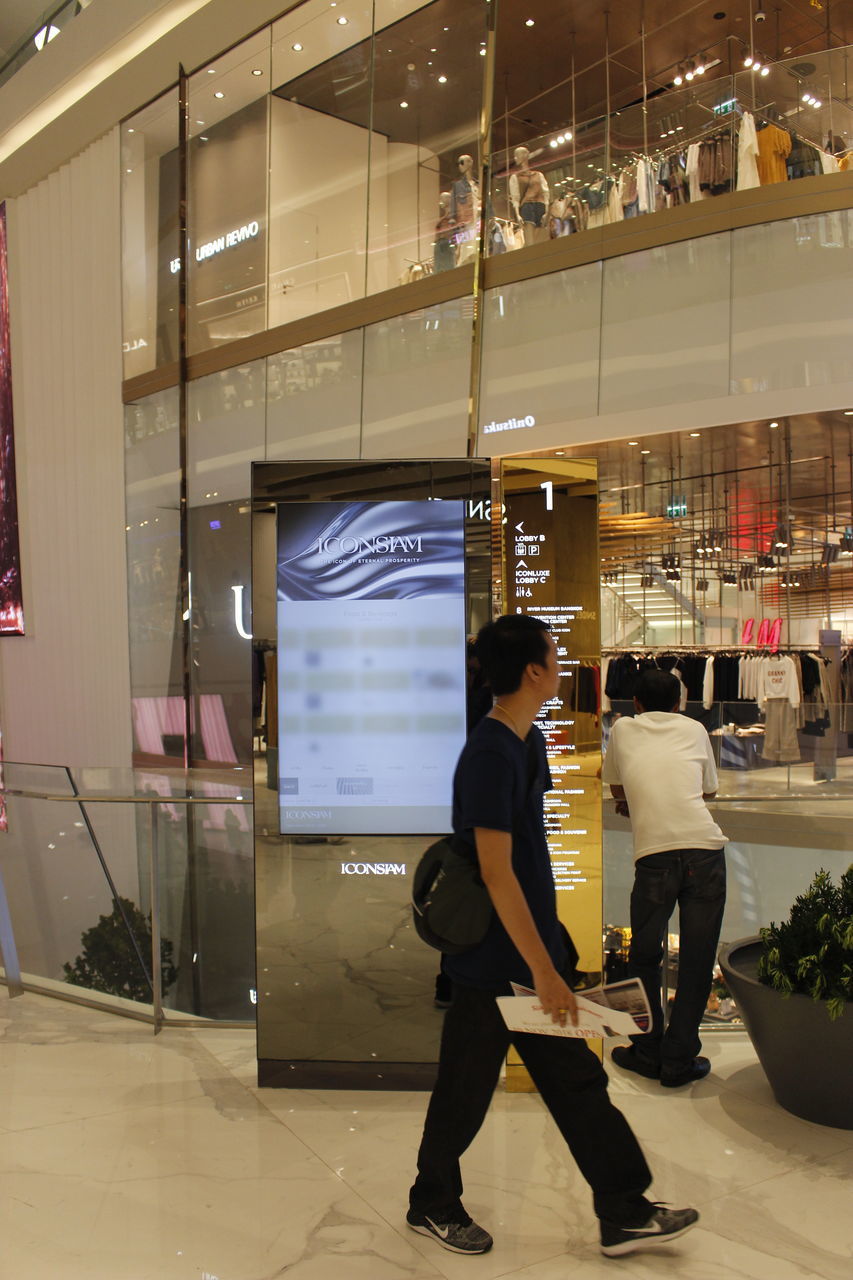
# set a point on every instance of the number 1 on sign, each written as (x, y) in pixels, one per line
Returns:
(548, 486)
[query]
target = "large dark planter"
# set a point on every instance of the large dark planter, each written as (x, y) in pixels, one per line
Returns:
(807, 1059)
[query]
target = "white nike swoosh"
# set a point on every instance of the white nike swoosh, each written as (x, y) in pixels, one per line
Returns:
(654, 1228)
(444, 1232)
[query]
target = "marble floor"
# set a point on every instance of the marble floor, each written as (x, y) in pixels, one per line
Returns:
(125, 1157)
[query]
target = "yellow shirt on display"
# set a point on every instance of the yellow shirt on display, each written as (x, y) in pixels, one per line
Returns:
(774, 144)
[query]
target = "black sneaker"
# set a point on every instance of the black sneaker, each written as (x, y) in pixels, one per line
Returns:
(458, 1237)
(629, 1058)
(675, 1077)
(664, 1225)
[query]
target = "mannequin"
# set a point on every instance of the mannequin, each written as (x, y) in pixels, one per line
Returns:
(465, 209)
(530, 197)
(444, 248)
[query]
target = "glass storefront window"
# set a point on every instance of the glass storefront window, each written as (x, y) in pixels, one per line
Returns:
(614, 130)
(228, 131)
(319, 148)
(425, 197)
(150, 236)
(152, 479)
(314, 399)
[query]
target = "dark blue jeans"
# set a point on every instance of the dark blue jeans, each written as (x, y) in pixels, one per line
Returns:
(573, 1086)
(695, 881)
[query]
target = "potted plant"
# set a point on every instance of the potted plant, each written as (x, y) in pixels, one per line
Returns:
(793, 985)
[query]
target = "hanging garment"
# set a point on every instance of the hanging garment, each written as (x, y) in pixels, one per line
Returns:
(780, 733)
(803, 160)
(724, 167)
(774, 145)
(747, 154)
(646, 185)
(628, 190)
(692, 167)
(777, 679)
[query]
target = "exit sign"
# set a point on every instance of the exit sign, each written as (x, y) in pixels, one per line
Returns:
(678, 507)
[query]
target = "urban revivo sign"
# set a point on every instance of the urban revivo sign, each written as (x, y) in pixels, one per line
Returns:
(229, 241)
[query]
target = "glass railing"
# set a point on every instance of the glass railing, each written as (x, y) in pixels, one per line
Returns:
(693, 142)
(130, 889)
(785, 805)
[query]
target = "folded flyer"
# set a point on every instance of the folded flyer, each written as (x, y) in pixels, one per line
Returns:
(619, 1009)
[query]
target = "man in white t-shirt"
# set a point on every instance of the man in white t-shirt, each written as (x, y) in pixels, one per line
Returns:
(661, 771)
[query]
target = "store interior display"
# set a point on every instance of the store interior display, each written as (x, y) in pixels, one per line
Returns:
(637, 119)
(727, 559)
(338, 153)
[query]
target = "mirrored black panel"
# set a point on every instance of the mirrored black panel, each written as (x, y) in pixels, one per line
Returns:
(345, 988)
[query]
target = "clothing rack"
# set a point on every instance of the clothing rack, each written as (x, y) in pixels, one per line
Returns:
(757, 651)
(675, 148)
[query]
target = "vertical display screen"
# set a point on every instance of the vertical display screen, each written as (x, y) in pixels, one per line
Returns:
(371, 665)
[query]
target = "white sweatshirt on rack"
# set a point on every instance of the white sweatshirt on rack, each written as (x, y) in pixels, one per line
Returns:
(708, 683)
(777, 678)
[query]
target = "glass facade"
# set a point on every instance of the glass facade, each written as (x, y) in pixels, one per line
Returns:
(150, 236)
(344, 165)
(625, 137)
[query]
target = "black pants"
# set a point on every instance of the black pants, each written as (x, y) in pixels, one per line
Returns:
(573, 1086)
(695, 879)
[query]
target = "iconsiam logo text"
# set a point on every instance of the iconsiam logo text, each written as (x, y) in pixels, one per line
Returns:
(380, 544)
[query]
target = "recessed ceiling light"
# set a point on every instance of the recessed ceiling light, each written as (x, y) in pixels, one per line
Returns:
(442, 79)
(561, 453)
(131, 131)
(256, 71)
(219, 94)
(482, 53)
(645, 451)
(530, 23)
(342, 21)
(694, 434)
(633, 442)
(297, 48)
(848, 413)
(404, 105)
(211, 71)
(128, 171)
(773, 425)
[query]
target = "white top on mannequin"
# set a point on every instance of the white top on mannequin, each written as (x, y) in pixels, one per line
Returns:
(535, 185)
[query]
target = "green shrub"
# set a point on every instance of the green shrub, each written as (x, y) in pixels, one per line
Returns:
(812, 952)
(109, 961)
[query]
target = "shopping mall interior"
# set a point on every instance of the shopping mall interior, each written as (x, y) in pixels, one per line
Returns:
(560, 289)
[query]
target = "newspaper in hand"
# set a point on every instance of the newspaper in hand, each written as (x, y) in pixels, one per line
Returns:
(619, 1009)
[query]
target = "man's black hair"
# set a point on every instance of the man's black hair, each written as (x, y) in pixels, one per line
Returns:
(657, 690)
(506, 646)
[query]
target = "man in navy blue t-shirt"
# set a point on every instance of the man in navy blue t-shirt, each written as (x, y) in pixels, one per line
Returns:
(497, 807)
